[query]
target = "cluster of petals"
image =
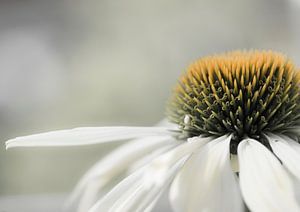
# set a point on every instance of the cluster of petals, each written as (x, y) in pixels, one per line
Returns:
(198, 173)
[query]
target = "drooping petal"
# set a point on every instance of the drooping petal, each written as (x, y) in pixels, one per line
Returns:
(139, 191)
(264, 182)
(129, 184)
(115, 163)
(149, 157)
(286, 153)
(89, 195)
(86, 202)
(86, 136)
(295, 144)
(207, 182)
(147, 194)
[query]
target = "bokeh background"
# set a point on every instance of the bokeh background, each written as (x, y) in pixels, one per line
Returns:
(70, 63)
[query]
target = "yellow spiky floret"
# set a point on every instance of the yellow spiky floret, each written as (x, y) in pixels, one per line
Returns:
(244, 93)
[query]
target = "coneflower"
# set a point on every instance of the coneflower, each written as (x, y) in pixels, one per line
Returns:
(231, 143)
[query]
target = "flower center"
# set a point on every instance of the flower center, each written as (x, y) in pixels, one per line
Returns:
(243, 93)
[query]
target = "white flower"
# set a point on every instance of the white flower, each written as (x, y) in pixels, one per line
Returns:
(231, 147)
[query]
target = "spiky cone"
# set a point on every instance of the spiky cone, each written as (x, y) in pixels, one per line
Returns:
(245, 94)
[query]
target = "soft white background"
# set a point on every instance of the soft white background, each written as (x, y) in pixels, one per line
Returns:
(92, 63)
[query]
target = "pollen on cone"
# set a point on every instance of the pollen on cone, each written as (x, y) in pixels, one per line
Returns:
(240, 92)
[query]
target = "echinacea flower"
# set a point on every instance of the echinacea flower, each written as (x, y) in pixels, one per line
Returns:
(231, 143)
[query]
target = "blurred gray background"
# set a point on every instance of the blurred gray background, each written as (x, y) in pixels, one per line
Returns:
(66, 64)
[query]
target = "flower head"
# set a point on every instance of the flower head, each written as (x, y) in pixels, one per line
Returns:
(241, 93)
(233, 143)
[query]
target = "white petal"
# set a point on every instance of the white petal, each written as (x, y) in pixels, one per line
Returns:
(152, 204)
(296, 146)
(139, 190)
(117, 162)
(207, 182)
(147, 195)
(89, 196)
(286, 153)
(264, 182)
(292, 142)
(123, 189)
(149, 157)
(86, 136)
(142, 162)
